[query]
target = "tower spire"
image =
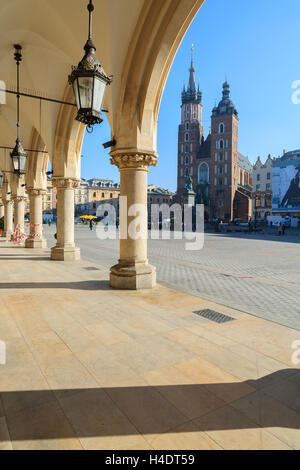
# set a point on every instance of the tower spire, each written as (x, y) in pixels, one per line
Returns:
(192, 81)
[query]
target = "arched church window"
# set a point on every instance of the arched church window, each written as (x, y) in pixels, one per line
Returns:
(221, 128)
(187, 126)
(221, 144)
(186, 160)
(203, 173)
(186, 137)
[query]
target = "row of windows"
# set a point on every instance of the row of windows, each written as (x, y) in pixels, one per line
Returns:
(103, 195)
(187, 148)
(268, 186)
(268, 176)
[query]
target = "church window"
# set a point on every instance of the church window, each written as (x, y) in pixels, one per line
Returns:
(203, 173)
(216, 156)
(221, 128)
(186, 171)
(268, 176)
(226, 155)
(226, 169)
(221, 144)
(258, 177)
(186, 137)
(187, 126)
(186, 160)
(221, 156)
(186, 148)
(187, 111)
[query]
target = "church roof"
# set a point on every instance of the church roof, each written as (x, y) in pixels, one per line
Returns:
(204, 150)
(245, 163)
(225, 106)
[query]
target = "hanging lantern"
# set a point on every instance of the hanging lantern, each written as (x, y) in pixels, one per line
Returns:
(18, 155)
(1, 179)
(89, 83)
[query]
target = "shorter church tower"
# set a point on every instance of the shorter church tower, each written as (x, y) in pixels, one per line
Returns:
(190, 132)
(224, 157)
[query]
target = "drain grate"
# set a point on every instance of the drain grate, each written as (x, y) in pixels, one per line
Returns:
(91, 268)
(214, 316)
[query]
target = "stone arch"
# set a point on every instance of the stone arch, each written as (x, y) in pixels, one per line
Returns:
(37, 162)
(68, 140)
(160, 30)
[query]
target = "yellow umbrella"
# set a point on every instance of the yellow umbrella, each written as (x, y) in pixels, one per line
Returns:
(88, 217)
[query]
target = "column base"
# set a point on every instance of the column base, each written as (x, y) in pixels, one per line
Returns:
(7, 235)
(65, 253)
(136, 277)
(35, 242)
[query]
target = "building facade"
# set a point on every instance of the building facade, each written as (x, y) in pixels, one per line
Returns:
(262, 189)
(221, 176)
(286, 184)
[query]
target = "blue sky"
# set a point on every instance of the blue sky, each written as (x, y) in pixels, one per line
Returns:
(257, 45)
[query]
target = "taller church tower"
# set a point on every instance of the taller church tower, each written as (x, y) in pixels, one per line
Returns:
(190, 132)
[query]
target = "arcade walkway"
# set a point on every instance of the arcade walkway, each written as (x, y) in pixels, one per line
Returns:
(91, 368)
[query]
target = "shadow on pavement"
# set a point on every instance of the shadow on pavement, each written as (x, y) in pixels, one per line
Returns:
(121, 411)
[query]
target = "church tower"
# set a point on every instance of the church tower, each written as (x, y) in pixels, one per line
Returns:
(224, 171)
(190, 132)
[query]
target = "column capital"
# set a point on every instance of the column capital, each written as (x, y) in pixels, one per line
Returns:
(16, 199)
(36, 191)
(6, 201)
(65, 183)
(132, 160)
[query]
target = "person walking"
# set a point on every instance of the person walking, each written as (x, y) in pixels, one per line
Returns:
(283, 228)
(91, 224)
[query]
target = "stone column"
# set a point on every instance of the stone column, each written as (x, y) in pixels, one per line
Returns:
(8, 219)
(65, 249)
(19, 202)
(36, 238)
(133, 270)
(1, 211)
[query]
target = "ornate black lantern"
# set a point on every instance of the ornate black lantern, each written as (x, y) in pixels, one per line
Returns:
(1, 179)
(89, 82)
(18, 155)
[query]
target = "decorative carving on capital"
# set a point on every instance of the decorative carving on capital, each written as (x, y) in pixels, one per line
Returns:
(65, 183)
(17, 199)
(133, 160)
(36, 191)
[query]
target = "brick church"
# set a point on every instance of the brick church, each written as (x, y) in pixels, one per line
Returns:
(221, 176)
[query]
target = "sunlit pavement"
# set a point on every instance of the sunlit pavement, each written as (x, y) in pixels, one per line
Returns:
(94, 368)
(254, 273)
